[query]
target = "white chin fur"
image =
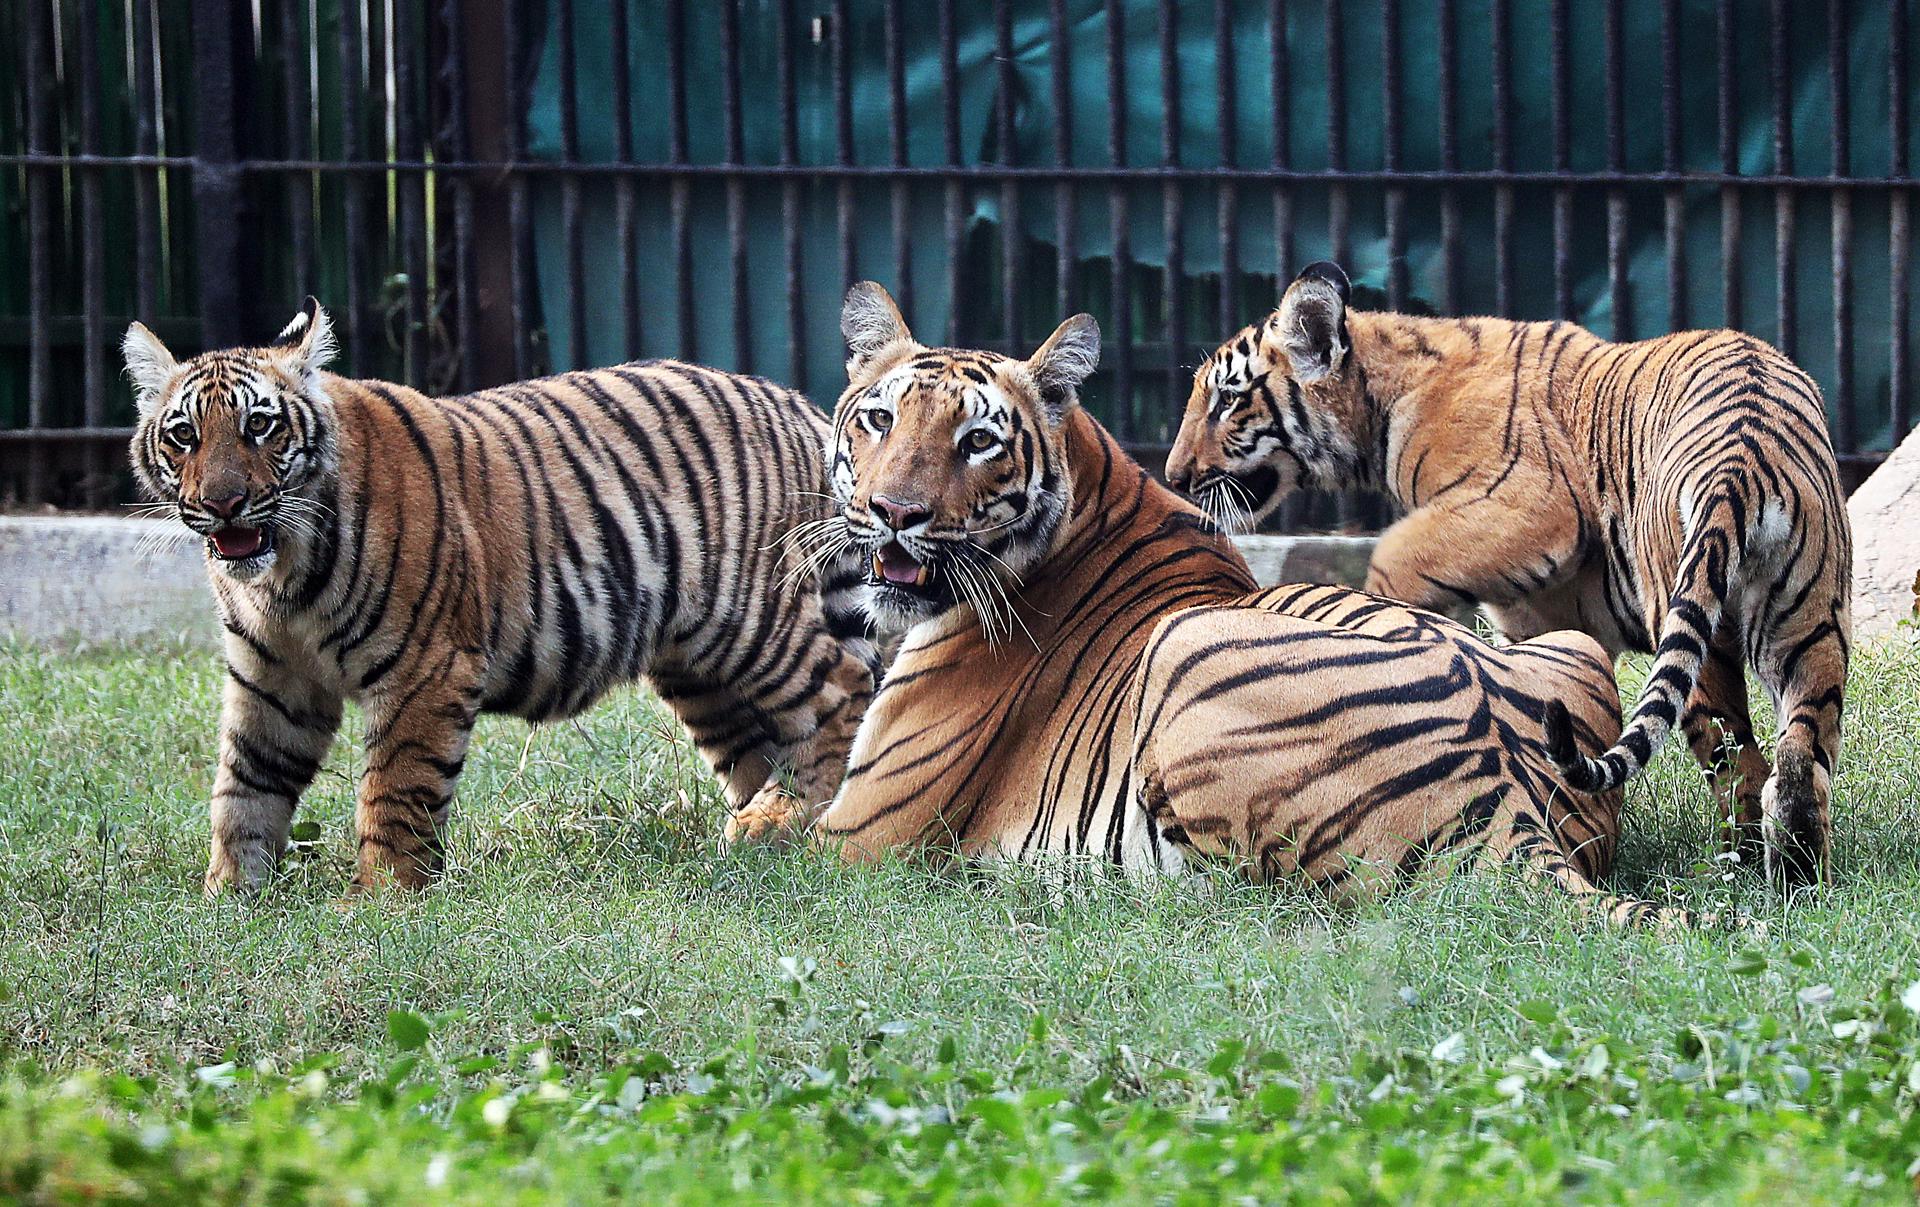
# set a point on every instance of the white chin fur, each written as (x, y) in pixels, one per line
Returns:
(891, 618)
(246, 569)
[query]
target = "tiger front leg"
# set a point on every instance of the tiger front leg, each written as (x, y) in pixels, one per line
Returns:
(416, 744)
(1449, 558)
(275, 728)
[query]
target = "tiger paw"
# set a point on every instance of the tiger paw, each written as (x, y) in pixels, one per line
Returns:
(773, 816)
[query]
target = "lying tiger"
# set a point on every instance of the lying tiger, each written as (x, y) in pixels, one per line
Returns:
(1089, 672)
(1677, 496)
(521, 550)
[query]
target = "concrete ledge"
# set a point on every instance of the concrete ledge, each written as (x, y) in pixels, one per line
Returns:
(102, 578)
(66, 579)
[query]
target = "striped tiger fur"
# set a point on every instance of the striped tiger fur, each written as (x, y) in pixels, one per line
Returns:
(1677, 496)
(520, 550)
(1090, 673)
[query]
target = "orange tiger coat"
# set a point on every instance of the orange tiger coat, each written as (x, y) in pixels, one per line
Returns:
(1676, 495)
(1130, 698)
(520, 550)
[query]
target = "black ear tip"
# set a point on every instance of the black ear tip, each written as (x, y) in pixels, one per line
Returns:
(1332, 274)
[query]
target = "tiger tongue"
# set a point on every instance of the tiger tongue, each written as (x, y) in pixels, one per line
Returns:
(236, 541)
(894, 564)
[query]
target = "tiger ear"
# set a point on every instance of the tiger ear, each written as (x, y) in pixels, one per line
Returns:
(306, 344)
(1069, 357)
(149, 366)
(1312, 321)
(871, 324)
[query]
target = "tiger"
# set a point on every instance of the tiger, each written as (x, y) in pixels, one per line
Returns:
(1675, 496)
(1088, 674)
(520, 550)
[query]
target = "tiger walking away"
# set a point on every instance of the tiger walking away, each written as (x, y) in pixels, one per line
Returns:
(1677, 496)
(520, 550)
(1088, 673)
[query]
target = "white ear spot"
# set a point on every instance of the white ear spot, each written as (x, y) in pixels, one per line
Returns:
(307, 342)
(149, 366)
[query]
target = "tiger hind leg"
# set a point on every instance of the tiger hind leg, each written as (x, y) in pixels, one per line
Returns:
(1720, 732)
(1525, 844)
(1807, 671)
(814, 718)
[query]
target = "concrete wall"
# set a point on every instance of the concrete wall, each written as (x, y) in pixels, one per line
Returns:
(102, 578)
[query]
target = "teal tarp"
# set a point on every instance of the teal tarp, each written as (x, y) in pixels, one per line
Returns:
(1306, 107)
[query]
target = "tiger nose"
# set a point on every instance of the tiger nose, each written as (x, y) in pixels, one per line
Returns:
(225, 508)
(901, 516)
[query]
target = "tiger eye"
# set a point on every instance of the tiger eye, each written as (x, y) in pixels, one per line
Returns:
(979, 440)
(259, 424)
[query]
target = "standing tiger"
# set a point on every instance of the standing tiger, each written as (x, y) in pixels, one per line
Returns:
(520, 550)
(1677, 496)
(1088, 671)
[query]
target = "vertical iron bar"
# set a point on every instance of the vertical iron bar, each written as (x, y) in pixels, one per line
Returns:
(735, 153)
(950, 146)
(626, 228)
(1229, 199)
(897, 152)
(1122, 221)
(1449, 157)
(575, 238)
(790, 216)
(679, 198)
(1282, 143)
(1503, 158)
(1065, 224)
(1899, 236)
(217, 195)
(1730, 300)
(456, 87)
(38, 68)
(1337, 213)
(299, 116)
(1619, 299)
(1172, 206)
(1010, 274)
(411, 186)
(1673, 201)
(353, 191)
(1846, 425)
(1783, 198)
(93, 259)
(146, 183)
(1562, 162)
(843, 138)
(519, 215)
(1396, 199)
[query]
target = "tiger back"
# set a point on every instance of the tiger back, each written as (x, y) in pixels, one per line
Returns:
(520, 550)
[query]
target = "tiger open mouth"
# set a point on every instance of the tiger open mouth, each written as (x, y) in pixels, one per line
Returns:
(895, 567)
(238, 542)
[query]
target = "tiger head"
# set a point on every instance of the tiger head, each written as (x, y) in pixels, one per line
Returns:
(235, 440)
(949, 466)
(1278, 407)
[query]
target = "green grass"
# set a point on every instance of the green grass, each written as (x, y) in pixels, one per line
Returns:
(595, 1002)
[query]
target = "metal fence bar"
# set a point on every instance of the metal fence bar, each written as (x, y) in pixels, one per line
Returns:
(1006, 87)
(519, 218)
(37, 68)
(298, 113)
(146, 183)
(625, 218)
(411, 203)
(1562, 163)
(1618, 296)
(1120, 218)
(1783, 199)
(573, 236)
(1448, 117)
(679, 198)
(899, 197)
(1228, 199)
(1730, 293)
(735, 152)
(843, 140)
(1066, 221)
(354, 328)
(1502, 21)
(790, 194)
(1172, 201)
(93, 266)
(1845, 432)
(1899, 233)
(1673, 202)
(1337, 212)
(1396, 199)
